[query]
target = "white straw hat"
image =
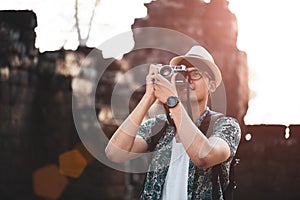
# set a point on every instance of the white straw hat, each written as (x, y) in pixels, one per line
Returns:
(199, 57)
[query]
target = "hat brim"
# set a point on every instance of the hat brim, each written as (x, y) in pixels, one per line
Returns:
(198, 62)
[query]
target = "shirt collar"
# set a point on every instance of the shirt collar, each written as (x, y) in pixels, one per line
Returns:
(201, 118)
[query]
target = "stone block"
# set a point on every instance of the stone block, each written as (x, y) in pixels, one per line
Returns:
(4, 74)
(21, 95)
(19, 77)
(4, 113)
(5, 95)
(20, 113)
(5, 129)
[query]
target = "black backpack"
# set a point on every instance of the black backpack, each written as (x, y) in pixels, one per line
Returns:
(206, 126)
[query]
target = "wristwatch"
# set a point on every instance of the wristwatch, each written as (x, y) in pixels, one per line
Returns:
(172, 101)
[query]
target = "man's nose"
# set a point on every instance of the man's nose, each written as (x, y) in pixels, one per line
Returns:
(187, 78)
(190, 82)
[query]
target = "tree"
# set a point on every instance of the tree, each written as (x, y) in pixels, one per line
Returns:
(83, 40)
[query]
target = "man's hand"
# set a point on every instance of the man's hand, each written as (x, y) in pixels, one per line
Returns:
(150, 79)
(164, 88)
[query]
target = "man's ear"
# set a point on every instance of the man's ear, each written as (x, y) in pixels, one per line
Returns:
(212, 86)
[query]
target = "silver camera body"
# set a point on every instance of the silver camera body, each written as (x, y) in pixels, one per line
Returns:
(168, 71)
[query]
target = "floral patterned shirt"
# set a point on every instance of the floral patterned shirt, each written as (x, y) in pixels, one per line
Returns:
(199, 180)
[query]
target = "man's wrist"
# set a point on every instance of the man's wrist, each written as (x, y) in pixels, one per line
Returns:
(172, 102)
(149, 99)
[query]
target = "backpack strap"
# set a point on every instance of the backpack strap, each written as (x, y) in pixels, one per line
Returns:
(228, 192)
(208, 122)
(217, 170)
(206, 128)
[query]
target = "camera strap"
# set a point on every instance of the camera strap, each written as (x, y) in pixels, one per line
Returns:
(189, 107)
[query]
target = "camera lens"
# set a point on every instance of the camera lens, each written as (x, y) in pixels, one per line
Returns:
(166, 71)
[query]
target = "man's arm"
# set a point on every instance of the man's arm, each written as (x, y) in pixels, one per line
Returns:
(204, 152)
(124, 144)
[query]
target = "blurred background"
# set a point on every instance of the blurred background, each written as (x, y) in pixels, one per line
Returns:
(44, 45)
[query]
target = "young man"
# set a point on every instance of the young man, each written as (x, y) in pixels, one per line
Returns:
(181, 167)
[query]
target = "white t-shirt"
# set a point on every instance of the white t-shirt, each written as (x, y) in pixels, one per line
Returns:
(175, 186)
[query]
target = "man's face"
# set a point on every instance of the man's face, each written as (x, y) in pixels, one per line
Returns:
(198, 86)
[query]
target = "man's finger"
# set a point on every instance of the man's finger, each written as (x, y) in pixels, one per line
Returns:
(150, 79)
(153, 69)
(161, 79)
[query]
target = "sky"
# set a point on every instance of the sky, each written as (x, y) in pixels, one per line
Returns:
(56, 19)
(267, 32)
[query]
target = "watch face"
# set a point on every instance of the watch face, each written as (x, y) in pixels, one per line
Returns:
(172, 101)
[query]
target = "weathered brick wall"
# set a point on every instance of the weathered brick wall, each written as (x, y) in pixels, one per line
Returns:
(269, 167)
(36, 114)
(17, 97)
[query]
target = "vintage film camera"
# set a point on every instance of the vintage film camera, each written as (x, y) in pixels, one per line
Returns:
(167, 71)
